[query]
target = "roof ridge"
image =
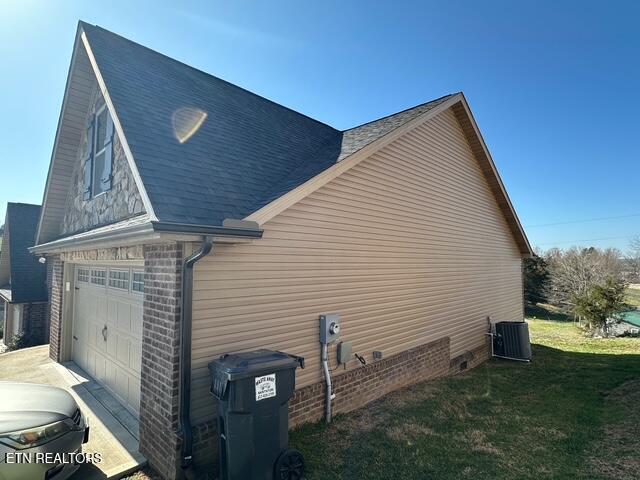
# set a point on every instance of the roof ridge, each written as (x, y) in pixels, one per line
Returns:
(401, 111)
(24, 204)
(167, 57)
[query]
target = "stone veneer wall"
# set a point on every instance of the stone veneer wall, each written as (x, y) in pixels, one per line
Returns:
(121, 202)
(135, 252)
(55, 268)
(159, 427)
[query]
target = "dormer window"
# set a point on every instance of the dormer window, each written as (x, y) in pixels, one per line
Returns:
(98, 159)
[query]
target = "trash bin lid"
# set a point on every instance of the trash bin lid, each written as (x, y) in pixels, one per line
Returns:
(248, 364)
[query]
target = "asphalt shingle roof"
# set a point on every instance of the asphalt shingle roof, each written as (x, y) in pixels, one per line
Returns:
(28, 276)
(359, 137)
(247, 152)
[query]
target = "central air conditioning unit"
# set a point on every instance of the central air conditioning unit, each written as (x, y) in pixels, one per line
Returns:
(511, 341)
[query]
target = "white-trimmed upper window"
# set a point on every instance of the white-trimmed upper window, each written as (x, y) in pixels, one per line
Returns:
(98, 276)
(98, 161)
(137, 283)
(83, 275)
(119, 279)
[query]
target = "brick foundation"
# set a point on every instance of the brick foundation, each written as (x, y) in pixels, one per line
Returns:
(358, 387)
(470, 359)
(159, 394)
(205, 444)
(355, 388)
(55, 287)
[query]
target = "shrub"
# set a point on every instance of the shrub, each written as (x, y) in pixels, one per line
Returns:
(20, 340)
(600, 303)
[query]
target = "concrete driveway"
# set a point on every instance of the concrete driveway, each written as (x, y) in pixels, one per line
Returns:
(114, 431)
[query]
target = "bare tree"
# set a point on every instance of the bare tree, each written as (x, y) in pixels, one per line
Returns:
(632, 261)
(575, 271)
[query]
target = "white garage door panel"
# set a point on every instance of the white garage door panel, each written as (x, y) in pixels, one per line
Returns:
(107, 330)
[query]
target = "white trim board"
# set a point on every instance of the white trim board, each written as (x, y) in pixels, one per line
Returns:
(118, 127)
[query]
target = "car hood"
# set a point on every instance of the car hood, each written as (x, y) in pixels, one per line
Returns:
(28, 405)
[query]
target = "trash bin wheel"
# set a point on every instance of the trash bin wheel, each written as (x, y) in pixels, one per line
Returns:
(289, 466)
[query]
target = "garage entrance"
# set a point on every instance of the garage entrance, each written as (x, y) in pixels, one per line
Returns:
(107, 328)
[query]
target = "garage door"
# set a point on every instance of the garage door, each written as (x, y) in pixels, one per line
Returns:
(107, 328)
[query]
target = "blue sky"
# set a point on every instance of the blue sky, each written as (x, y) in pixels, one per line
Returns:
(553, 85)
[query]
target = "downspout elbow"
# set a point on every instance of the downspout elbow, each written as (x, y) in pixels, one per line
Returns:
(185, 349)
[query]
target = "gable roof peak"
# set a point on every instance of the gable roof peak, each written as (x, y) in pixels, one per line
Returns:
(244, 152)
(242, 146)
(404, 111)
(88, 27)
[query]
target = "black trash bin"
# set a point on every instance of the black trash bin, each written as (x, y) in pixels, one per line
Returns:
(253, 391)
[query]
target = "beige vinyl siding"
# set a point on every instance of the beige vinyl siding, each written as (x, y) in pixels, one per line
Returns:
(408, 246)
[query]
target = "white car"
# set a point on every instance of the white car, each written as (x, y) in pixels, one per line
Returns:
(41, 432)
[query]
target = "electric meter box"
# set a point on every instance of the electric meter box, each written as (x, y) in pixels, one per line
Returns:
(329, 328)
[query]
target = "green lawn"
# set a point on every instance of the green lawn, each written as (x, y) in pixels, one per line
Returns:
(544, 311)
(633, 297)
(570, 414)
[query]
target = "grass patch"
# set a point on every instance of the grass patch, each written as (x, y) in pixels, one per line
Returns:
(615, 455)
(544, 311)
(569, 338)
(632, 297)
(502, 420)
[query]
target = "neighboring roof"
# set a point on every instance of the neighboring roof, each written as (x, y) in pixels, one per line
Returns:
(243, 153)
(27, 276)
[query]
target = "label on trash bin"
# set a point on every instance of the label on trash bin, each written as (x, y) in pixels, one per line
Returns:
(265, 387)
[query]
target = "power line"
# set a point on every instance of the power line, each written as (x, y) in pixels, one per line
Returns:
(586, 240)
(569, 222)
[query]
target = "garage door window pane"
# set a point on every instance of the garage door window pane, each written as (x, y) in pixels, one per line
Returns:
(98, 277)
(137, 285)
(83, 275)
(119, 279)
